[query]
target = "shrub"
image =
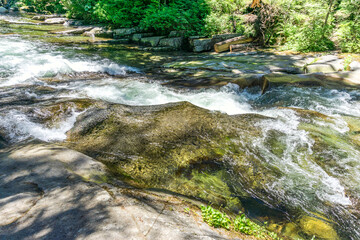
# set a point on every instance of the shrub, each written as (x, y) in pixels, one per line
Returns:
(81, 9)
(349, 36)
(310, 37)
(44, 6)
(121, 13)
(179, 15)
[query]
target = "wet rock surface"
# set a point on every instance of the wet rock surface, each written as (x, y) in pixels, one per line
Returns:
(290, 158)
(50, 192)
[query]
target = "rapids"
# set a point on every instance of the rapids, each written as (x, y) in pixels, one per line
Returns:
(331, 187)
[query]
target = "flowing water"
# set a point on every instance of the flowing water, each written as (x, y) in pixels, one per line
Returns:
(314, 178)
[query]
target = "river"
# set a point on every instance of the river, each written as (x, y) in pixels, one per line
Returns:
(321, 182)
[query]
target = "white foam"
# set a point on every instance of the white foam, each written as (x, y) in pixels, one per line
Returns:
(19, 127)
(25, 62)
(226, 100)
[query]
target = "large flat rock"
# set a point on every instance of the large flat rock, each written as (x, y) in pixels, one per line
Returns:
(51, 192)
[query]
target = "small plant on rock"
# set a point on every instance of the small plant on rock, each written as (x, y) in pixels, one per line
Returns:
(215, 218)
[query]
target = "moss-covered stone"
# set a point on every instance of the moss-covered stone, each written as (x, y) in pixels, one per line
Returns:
(168, 146)
(320, 229)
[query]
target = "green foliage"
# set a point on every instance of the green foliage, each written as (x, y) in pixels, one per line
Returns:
(310, 37)
(215, 218)
(347, 61)
(348, 32)
(178, 15)
(121, 13)
(241, 224)
(349, 36)
(81, 9)
(44, 6)
(298, 24)
(244, 225)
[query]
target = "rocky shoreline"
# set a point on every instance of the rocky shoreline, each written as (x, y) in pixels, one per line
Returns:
(62, 191)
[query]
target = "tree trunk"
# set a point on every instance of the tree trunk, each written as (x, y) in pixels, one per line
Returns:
(225, 45)
(255, 3)
(328, 13)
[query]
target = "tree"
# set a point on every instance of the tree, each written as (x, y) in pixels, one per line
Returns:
(255, 3)
(328, 13)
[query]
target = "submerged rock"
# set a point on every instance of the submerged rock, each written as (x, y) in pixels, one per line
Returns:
(179, 147)
(314, 227)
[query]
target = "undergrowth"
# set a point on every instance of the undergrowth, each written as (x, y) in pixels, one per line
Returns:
(241, 223)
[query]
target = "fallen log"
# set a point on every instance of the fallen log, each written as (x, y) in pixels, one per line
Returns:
(225, 45)
(241, 47)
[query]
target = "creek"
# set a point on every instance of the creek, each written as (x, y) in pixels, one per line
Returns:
(308, 141)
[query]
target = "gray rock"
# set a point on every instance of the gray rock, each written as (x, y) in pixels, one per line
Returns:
(354, 66)
(326, 64)
(3, 10)
(349, 77)
(124, 32)
(151, 41)
(44, 17)
(138, 36)
(99, 32)
(177, 34)
(321, 68)
(55, 21)
(75, 31)
(175, 43)
(201, 45)
(51, 192)
(73, 22)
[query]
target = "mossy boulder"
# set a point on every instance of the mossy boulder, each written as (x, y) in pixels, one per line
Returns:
(179, 147)
(312, 226)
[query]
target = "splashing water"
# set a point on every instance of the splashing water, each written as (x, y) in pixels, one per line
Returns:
(19, 127)
(25, 62)
(303, 180)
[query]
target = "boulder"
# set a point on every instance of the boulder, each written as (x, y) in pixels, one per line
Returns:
(201, 44)
(124, 32)
(3, 10)
(43, 17)
(51, 192)
(355, 65)
(138, 36)
(177, 34)
(73, 22)
(75, 31)
(320, 68)
(312, 226)
(176, 42)
(99, 32)
(336, 81)
(55, 21)
(325, 64)
(151, 41)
